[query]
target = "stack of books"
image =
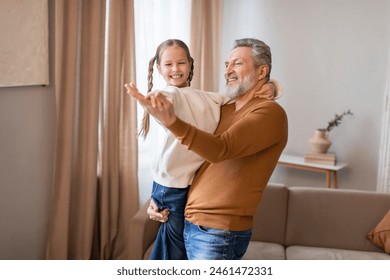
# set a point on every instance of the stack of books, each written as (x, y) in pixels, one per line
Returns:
(318, 158)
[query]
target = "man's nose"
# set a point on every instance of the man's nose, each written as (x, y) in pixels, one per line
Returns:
(228, 70)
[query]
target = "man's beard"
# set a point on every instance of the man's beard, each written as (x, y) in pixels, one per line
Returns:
(247, 84)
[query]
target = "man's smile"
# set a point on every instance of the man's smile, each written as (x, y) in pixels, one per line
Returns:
(231, 79)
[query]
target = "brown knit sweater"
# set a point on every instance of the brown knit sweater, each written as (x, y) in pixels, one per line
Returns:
(240, 158)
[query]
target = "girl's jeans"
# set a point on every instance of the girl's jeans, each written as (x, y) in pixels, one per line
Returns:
(169, 244)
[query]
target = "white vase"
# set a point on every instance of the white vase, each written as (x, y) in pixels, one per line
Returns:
(319, 142)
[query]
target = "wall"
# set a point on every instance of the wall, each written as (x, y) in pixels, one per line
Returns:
(330, 56)
(27, 132)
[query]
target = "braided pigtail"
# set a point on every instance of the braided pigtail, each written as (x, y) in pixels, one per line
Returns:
(191, 74)
(145, 124)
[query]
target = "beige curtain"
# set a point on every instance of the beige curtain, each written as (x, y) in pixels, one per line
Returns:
(95, 190)
(206, 21)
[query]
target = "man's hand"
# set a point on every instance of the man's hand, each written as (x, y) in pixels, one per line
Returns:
(155, 103)
(155, 214)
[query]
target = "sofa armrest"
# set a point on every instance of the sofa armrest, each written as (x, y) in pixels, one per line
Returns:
(142, 233)
(271, 215)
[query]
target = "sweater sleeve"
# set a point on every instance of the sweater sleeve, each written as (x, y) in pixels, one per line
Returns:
(263, 126)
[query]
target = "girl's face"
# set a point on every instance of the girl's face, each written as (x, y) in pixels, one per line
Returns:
(174, 66)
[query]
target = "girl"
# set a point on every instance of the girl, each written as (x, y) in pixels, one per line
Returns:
(175, 166)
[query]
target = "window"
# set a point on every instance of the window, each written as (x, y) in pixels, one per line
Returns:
(155, 22)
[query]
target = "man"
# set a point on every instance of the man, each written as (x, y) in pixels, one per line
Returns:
(240, 156)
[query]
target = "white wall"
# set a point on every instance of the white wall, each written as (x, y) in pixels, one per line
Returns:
(330, 56)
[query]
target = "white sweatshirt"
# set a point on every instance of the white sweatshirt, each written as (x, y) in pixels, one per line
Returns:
(175, 166)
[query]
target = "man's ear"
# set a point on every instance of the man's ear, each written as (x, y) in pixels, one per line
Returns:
(263, 71)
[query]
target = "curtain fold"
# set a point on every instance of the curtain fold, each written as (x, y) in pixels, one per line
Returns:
(206, 20)
(383, 184)
(119, 134)
(95, 175)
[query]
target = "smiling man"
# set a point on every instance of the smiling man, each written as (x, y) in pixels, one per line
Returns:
(240, 156)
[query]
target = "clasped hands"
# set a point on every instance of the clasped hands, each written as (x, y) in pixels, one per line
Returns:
(155, 214)
(155, 103)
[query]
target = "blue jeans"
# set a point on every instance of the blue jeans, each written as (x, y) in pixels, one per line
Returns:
(169, 244)
(204, 243)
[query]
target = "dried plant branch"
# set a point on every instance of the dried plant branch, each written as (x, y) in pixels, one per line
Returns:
(336, 121)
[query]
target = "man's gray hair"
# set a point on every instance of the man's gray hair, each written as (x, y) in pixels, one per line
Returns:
(261, 52)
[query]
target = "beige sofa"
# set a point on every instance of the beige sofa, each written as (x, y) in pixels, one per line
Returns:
(299, 223)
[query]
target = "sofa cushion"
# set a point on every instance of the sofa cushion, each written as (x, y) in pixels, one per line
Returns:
(258, 250)
(334, 218)
(380, 235)
(319, 253)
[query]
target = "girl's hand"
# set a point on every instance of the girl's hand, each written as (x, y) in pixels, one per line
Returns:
(271, 90)
(155, 214)
(267, 91)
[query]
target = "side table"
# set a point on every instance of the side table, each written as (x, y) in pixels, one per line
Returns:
(299, 163)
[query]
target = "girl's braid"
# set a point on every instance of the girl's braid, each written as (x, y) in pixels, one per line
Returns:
(150, 73)
(191, 74)
(145, 124)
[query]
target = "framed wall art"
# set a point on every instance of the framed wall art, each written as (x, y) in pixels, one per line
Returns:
(24, 54)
